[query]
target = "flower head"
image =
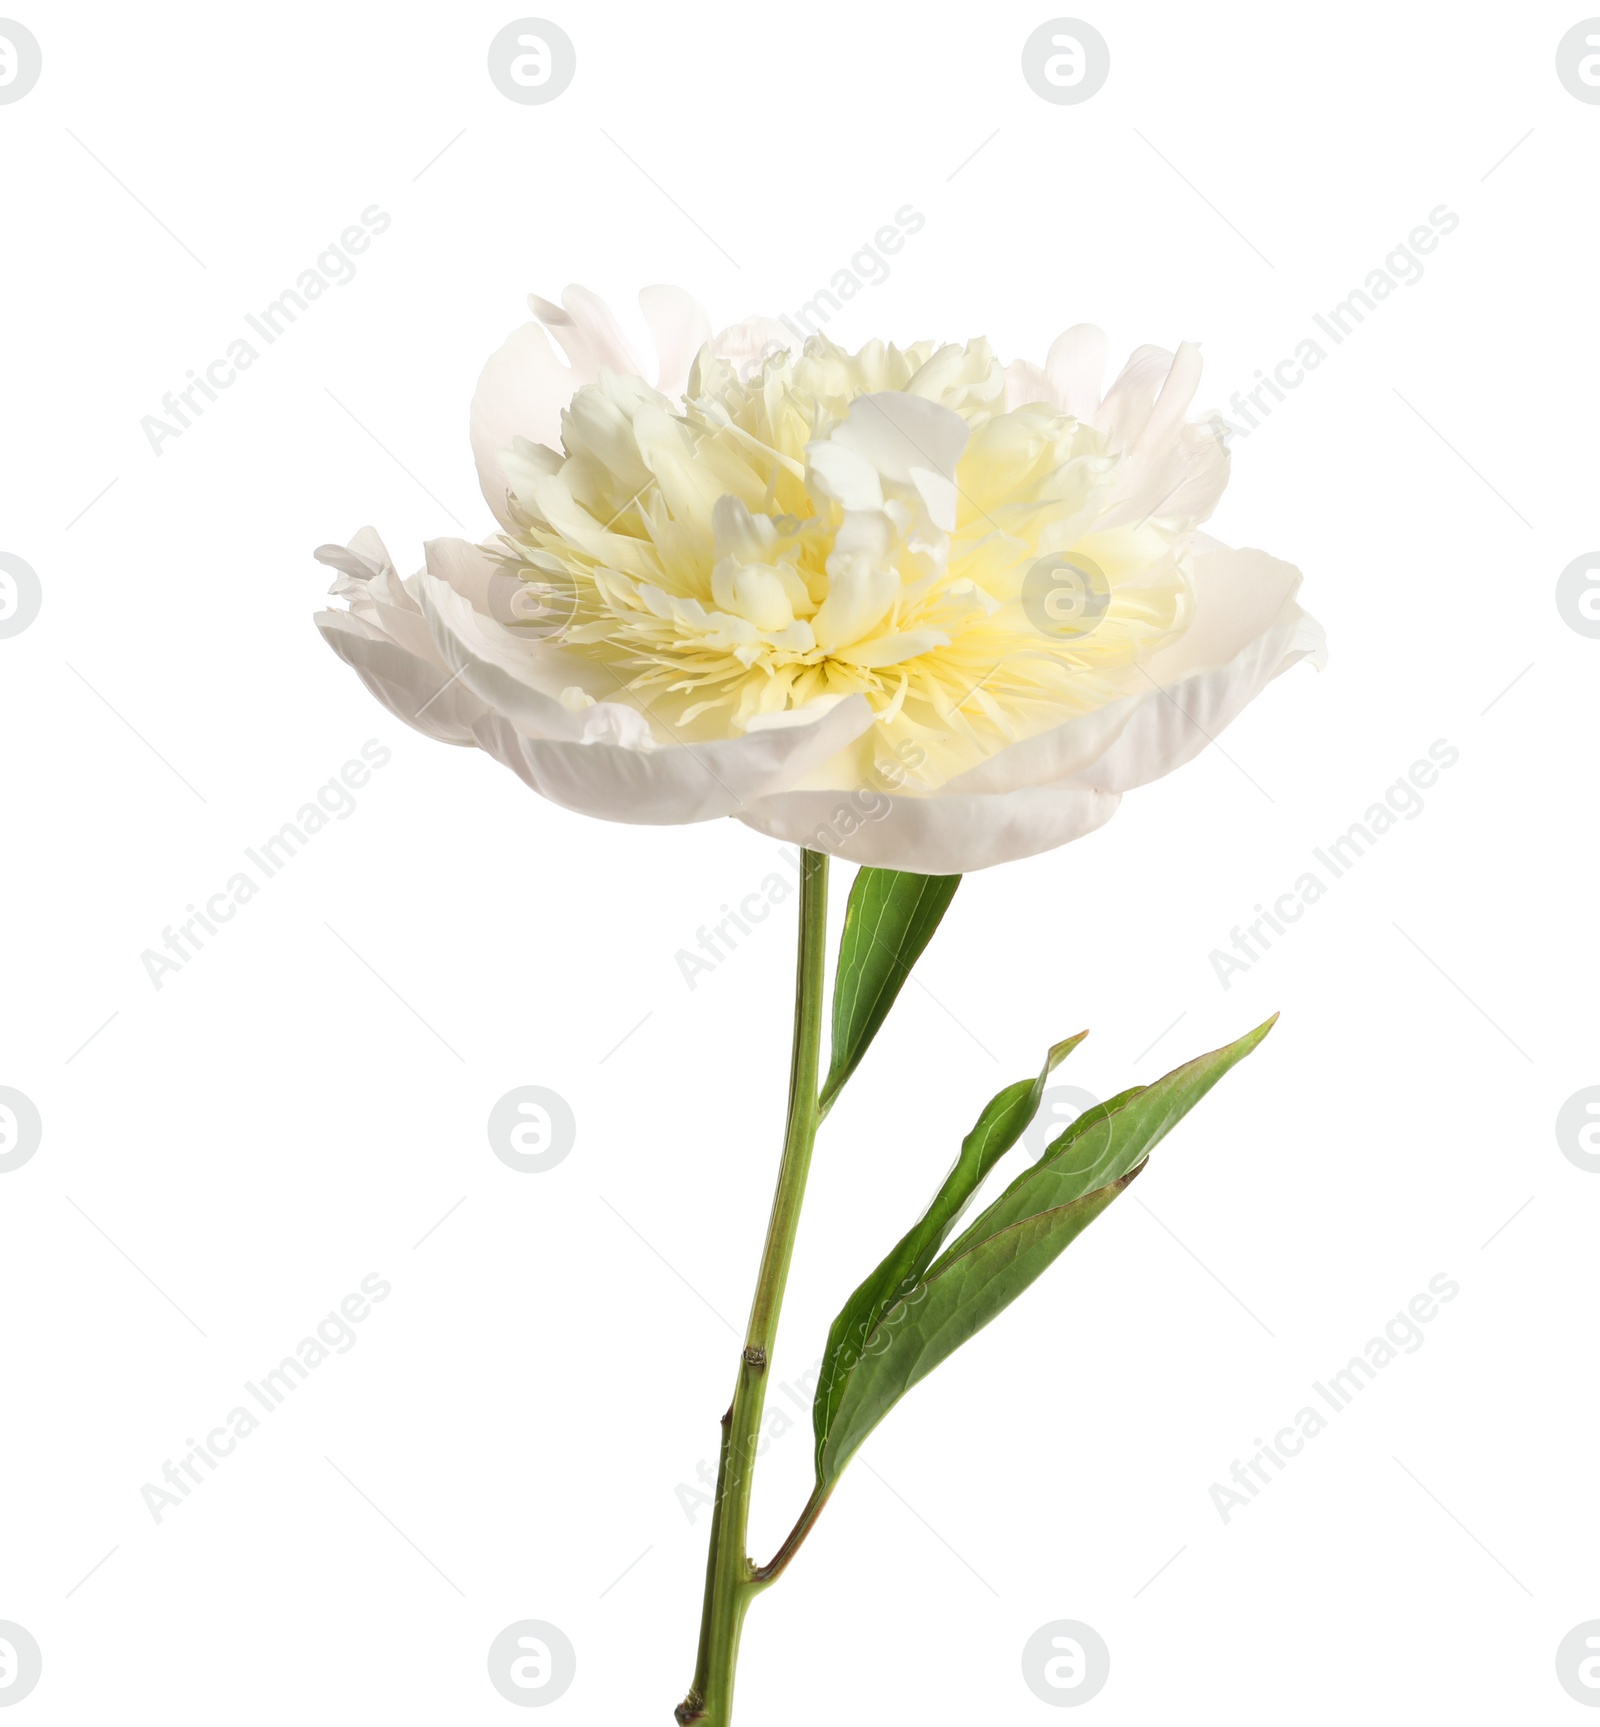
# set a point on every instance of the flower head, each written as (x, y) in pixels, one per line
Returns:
(950, 598)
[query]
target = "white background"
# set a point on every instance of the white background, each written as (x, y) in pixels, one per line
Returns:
(302, 1103)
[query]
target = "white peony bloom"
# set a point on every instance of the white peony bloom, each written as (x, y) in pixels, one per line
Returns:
(908, 606)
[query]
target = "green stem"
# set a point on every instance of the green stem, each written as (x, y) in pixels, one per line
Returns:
(732, 1582)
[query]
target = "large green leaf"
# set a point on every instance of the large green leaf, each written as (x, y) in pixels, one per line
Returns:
(1006, 1248)
(888, 922)
(1004, 1120)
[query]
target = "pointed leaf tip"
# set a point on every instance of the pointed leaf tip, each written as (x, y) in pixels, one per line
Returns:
(1060, 1051)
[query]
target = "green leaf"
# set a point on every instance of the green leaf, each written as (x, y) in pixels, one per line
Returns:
(1009, 1245)
(1004, 1120)
(889, 920)
(1108, 1138)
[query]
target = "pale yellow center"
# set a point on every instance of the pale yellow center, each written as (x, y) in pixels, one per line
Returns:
(837, 524)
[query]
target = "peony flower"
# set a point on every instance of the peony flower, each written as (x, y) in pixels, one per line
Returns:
(909, 606)
(913, 607)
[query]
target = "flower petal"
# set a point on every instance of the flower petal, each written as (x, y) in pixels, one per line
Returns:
(1247, 629)
(1075, 367)
(521, 677)
(679, 324)
(682, 783)
(521, 393)
(898, 434)
(1127, 407)
(414, 690)
(746, 345)
(524, 388)
(584, 326)
(945, 834)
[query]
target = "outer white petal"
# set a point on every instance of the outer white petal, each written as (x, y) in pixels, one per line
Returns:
(1247, 629)
(1026, 382)
(1174, 468)
(1177, 392)
(1239, 594)
(1179, 480)
(683, 783)
(944, 834)
(585, 328)
(521, 392)
(384, 639)
(512, 674)
(1200, 692)
(412, 690)
(1075, 367)
(681, 329)
(1123, 414)
(524, 387)
(376, 596)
